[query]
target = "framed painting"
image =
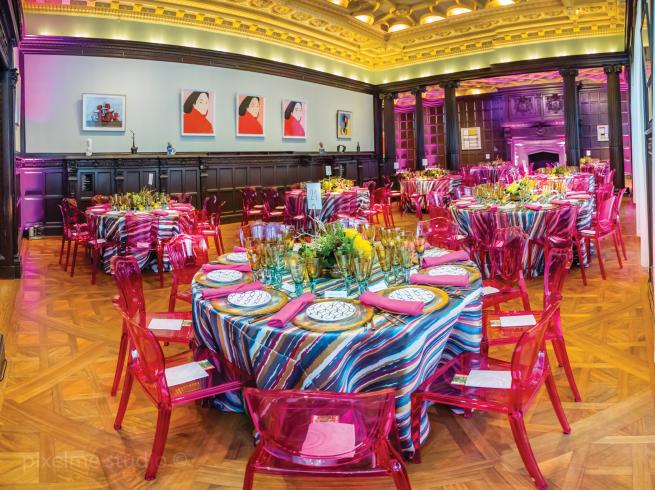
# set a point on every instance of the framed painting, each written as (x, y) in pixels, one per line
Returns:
(250, 115)
(344, 124)
(103, 112)
(197, 112)
(294, 119)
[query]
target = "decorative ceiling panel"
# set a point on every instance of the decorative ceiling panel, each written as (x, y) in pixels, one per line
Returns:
(372, 34)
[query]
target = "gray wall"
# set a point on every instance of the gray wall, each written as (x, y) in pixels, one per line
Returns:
(53, 106)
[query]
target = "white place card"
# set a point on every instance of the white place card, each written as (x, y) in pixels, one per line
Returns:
(483, 378)
(288, 287)
(378, 286)
(396, 165)
(314, 198)
(489, 290)
(184, 373)
(165, 324)
(335, 294)
(328, 170)
(518, 321)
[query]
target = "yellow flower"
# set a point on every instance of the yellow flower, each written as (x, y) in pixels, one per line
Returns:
(350, 233)
(362, 246)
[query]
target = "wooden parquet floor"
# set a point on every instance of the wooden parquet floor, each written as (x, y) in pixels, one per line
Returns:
(56, 414)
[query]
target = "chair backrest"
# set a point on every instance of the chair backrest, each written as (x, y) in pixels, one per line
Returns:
(270, 197)
(560, 223)
(70, 212)
(319, 428)
(529, 360)
(464, 190)
(187, 254)
(347, 203)
(129, 282)
(604, 213)
(580, 183)
(182, 198)
(439, 197)
(483, 225)
(140, 229)
(249, 197)
(439, 232)
(100, 199)
(556, 269)
(609, 177)
(435, 211)
(618, 200)
(506, 252)
(211, 209)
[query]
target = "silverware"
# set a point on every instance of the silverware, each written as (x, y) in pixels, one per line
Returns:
(394, 318)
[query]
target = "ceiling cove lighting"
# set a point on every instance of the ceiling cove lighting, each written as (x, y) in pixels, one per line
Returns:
(398, 27)
(500, 3)
(452, 11)
(366, 18)
(430, 18)
(341, 3)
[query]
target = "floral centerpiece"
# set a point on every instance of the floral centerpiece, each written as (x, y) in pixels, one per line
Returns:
(147, 198)
(336, 184)
(434, 172)
(520, 190)
(560, 170)
(332, 238)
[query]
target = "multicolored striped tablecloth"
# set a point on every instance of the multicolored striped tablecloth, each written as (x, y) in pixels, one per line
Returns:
(533, 223)
(422, 187)
(400, 356)
(333, 203)
(111, 227)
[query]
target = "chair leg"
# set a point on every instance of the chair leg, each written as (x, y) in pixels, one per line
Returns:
(120, 362)
(523, 444)
(220, 239)
(578, 245)
(557, 404)
(600, 258)
(94, 264)
(160, 267)
(172, 298)
(399, 475)
(616, 249)
(74, 258)
(249, 476)
(68, 254)
(125, 397)
(530, 247)
(566, 364)
(621, 241)
(417, 404)
(61, 250)
(161, 433)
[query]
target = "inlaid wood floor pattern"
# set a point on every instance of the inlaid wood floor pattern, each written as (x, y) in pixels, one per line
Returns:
(56, 415)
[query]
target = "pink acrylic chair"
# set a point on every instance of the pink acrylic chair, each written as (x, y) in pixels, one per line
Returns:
(529, 369)
(74, 228)
(442, 232)
(616, 221)
(272, 211)
(187, 254)
(250, 207)
(506, 253)
(147, 365)
(208, 222)
(96, 244)
(602, 227)
(323, 434)
(483, 226)
(130, 297)
(294, 209)
(557, 267)
(346, 206)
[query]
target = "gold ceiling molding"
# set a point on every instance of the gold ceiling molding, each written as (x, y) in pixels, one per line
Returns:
(330, 28)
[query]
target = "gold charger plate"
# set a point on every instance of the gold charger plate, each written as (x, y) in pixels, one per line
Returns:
(222, 259)
(201, 278)
(440, 300)
(361, 317)
(474, 273)
(279, 299)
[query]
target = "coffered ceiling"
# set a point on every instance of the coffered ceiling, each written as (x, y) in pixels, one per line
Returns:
(374, 35)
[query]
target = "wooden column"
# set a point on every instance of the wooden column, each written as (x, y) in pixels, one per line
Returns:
(571, 116)
(615, 123)
(389, 123)
(452, 124)
(377, 133)
(419, 133)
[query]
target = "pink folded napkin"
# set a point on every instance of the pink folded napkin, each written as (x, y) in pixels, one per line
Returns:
(222, 267)
(181, 206)
(440, 280)
(129, 214)
(412, 308)
(159, 212)
(445, 259)
(291, 309)
(534, 206)
(227, 290)
(560, 202)
(238, 249)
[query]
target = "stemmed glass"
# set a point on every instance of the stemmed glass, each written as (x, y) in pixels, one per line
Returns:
(362, 266)
(394, 248)
(297, 269)
(345, 264)
(313, 268)
(255, 261)
(385, 261)
(368, 232)
(419, 246)
(279, 263)
(406, 256)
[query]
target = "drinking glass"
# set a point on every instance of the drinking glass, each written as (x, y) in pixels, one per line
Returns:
(406, 256)
(269, 262)
(313, 269)
(368, 232)
(384, 260)
(394, 248)
(279, 263)
(362, 266)
(297, 269)
(255, 261)
(344, 263)
(419, 246)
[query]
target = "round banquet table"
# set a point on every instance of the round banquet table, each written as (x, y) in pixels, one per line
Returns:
(533, 223)
(363, 359)
(599, 170)
(295, 202)
(423, 186)
(585, 181)
(111, 227)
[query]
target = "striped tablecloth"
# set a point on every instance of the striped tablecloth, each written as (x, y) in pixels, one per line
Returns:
(333, 203)
(111, 227)
(358, 360)
(422, 187)
(583, 181)
(533, 223)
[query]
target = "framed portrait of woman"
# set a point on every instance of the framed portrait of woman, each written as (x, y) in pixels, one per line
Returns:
(344, 125)
(197, 112)
(250, 115)
(294, 119)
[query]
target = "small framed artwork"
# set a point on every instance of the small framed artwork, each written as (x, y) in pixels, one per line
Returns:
(197, 112)
(294, 119)
(103, 112)
(471, 139)
(250, 115)
(603, 131)
(344, 125)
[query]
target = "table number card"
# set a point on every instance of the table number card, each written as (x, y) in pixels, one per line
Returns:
(314, 198)
(328, 170)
